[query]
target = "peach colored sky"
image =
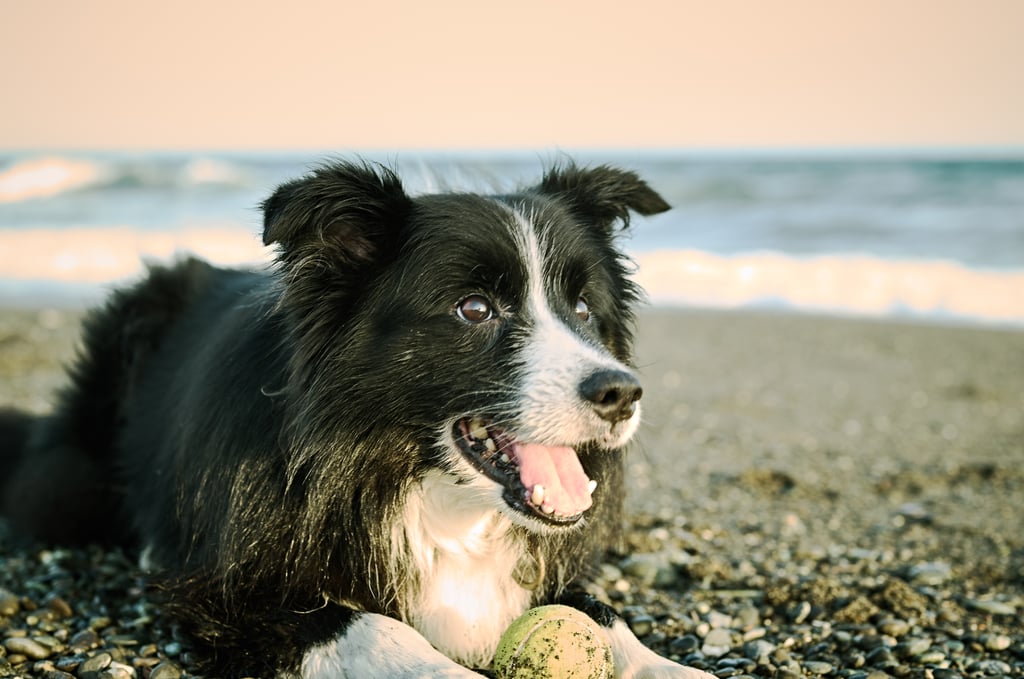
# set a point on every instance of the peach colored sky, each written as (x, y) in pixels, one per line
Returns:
(125, 74)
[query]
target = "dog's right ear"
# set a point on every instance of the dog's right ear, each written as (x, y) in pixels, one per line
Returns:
(341, 213)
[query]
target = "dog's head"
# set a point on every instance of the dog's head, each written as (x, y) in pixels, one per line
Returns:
(493, 331)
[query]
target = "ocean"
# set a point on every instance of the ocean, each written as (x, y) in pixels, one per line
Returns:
(926, 235)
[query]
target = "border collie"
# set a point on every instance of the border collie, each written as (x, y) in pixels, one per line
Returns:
(371, 459)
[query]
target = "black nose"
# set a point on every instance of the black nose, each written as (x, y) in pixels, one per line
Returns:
(612, 393)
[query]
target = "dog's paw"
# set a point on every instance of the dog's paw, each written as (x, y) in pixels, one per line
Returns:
(633, 660)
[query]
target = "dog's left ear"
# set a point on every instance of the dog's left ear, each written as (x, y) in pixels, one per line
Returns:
(602, 195)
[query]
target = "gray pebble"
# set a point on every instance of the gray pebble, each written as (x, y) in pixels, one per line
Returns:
(718, 637)
(817, 667)
(649, 569)
(718, 620)
(747, 618)
(989, 667)
(642, 625)
(714, 651)
(930, 573)
(29, 648)
(759, 649)
(684, 644)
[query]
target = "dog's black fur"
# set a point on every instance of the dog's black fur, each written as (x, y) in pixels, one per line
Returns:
(259, 433)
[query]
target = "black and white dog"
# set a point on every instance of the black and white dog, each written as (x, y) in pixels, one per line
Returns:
(369, 461)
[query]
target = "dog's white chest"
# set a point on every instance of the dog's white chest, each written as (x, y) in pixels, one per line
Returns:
(466, 594)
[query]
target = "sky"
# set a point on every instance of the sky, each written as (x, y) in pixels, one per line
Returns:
(530, 74)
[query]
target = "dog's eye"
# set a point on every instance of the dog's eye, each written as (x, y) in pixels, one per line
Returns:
(582, 310)
(475, 309)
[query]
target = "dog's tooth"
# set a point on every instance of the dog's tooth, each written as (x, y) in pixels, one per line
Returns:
(537, 496)
(478, 430)
(591, 486)
(490, 445)
(548, 509)
(505, 458)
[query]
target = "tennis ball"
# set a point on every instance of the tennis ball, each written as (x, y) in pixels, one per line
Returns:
(553, 642)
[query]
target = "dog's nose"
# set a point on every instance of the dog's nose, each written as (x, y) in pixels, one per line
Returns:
(612, 393)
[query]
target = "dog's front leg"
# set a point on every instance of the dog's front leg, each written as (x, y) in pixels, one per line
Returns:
(632, 659)
(374, 645)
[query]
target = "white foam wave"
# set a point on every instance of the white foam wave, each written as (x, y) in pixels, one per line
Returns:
(46, 177)
(102, 255)
(862, 285)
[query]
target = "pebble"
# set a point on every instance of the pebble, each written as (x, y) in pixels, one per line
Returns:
(10, 604)
(893, 627)
(57, 674)
(684, 644)
(118, 670)
(84, 640)
(930, 657)
(992, 607)
(30, 648)
(800, 612)
(165, 670)
(95, 664)
(880, 657)
(642, 625)
(932, 573)
(719, 620)
(718, 637)
(817, 667)
(650, 569)
(60, 608)
(758, 649)
(913, 647)
(996, 642)
(989, 667)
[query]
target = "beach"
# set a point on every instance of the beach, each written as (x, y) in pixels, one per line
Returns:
(809, 496)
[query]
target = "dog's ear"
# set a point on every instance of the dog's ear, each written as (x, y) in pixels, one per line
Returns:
(602, 195)
(345, 213)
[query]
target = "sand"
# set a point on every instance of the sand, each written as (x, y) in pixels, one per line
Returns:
(809, 495)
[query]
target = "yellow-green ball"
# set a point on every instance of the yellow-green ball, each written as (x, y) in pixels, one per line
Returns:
(553, 642)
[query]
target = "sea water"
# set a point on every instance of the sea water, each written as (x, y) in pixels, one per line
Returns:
(928, 234)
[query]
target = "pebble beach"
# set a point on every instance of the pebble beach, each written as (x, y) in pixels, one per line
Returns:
(809, 497)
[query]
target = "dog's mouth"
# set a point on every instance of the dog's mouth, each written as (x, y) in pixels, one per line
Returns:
(545, 482)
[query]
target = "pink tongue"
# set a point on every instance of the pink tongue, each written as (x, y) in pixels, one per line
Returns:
(558, 469)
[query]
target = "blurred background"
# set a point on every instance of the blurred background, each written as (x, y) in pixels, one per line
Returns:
(860, 158)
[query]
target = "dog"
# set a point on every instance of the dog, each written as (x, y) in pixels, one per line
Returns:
(367, 460)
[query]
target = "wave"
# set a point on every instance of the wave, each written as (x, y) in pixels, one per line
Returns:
(48, 177)
(841, 283)
(850, 284)
(52, 176)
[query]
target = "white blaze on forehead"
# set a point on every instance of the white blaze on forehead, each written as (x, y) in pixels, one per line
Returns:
(556, 359)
